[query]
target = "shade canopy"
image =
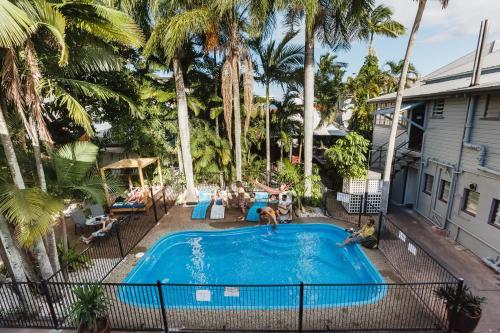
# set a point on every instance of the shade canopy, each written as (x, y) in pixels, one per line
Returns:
(131, 163)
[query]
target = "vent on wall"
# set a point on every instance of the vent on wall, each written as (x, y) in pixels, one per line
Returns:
(438, 109)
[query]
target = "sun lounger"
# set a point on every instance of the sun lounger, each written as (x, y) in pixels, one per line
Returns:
(217, 212)
(200, 210)
(261, 201)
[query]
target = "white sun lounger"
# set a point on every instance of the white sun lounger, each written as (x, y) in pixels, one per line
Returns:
(217, 212)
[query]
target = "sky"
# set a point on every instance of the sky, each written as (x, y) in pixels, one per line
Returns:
(444, 35)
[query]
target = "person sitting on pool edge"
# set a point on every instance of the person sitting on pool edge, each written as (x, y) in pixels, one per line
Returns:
(358, 236)
(269, 214)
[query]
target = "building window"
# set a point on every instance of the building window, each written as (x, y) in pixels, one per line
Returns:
(438, 108)
(492, 109)
(429, 181)
(444, 191)
(383, 120)
(471, 202)
(495, 213)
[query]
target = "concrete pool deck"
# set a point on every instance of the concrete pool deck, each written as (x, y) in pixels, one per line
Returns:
(179, 219)
(399, 308)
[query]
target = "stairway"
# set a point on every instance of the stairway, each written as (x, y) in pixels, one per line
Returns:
(403, 158)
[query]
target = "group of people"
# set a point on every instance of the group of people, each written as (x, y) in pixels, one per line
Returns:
(281, 214)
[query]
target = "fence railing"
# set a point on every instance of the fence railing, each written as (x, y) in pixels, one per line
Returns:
(105, 253)
(410, 304)
(294, 307)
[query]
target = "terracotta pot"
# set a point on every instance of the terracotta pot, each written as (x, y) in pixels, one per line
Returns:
(463, 322)
(104, 326)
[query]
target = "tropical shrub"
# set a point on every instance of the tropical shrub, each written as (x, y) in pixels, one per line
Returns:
(91, 307)
(293, 175)
(72, 258)
(348, 156)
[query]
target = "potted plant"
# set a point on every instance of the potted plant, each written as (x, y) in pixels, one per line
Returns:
(468, 307)
(91, 309)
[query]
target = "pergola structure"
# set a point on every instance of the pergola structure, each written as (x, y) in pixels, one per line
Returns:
(131, 163)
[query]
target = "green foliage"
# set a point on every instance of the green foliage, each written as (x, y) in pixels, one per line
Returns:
(348, 156)
(90, 307)
(31, 210)
(328, 86)
(72, 258)
(369, 83)
(75, 175)
(466, 301)
(293, 175)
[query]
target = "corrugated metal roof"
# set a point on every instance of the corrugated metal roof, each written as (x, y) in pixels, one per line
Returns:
(455, 77)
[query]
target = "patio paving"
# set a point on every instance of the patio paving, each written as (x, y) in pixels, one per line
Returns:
(462, 263)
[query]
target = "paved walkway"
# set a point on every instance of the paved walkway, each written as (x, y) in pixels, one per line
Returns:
(481, 279)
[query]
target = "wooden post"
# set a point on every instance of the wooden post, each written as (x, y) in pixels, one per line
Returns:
(106, 190)
(130, 184)
(141, 176)
(159, 172)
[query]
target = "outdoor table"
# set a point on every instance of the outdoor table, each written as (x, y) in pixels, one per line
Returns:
(95, 220)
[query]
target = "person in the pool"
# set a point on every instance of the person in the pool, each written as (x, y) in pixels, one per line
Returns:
(358, 236)
(269, 214)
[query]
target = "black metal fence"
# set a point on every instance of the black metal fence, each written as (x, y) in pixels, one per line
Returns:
(299, 307)
(105, 253)
(336, 209)
(410, 304)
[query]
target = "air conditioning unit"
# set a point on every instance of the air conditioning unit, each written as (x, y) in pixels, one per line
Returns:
(473, 187)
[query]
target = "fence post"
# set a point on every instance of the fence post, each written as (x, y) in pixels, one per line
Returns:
(164, 201)
(301, 306)
(120, 246)
(154, 204)
(454, 310)
(379, 229)
(162, 304)
(46, 292)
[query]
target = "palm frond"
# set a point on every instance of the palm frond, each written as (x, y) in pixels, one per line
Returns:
(15, 25)
(31, 210)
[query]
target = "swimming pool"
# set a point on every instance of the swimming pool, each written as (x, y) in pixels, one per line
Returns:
(287, 255)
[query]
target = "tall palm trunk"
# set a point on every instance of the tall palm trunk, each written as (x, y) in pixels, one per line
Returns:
(51, 237)
(397, 107)
(308, 107)
(268, 137)
(237, 113)
(179, 157)
(183, 118)
(39, 248)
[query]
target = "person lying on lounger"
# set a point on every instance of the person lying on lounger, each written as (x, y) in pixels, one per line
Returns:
(358, 236)
(269, 214)
(107, 224)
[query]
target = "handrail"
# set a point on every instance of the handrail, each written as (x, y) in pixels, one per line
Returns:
(397, 136)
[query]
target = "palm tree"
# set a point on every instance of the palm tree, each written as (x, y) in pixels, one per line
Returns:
(335, 24)
(399, 100)
(64, 90)
(75, 176)
(394, 71)
(167, 35)
(379, 22)
(232, 20)
(93, 20)
(276, 63)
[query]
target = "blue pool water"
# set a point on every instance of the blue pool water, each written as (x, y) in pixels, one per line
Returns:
(289, 254)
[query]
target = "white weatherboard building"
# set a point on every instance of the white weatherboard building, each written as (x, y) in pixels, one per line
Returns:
(447, 160)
